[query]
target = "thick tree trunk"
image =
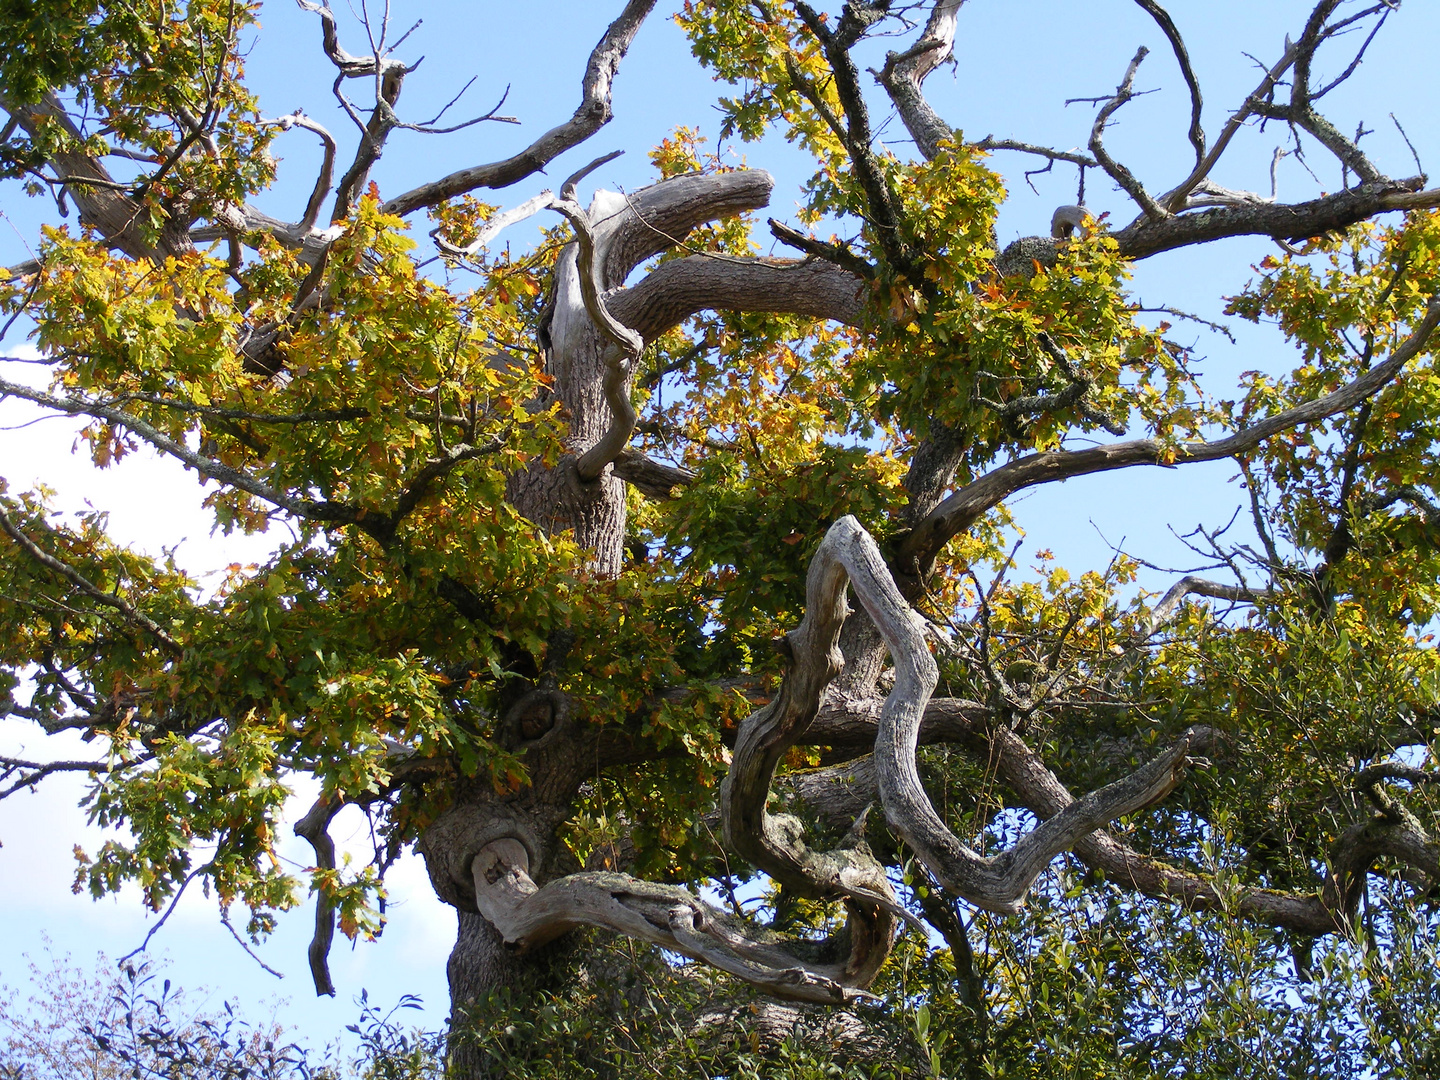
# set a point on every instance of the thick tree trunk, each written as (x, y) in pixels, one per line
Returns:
(481, 964)
(626, 230)
(555, 499)
(558, 499)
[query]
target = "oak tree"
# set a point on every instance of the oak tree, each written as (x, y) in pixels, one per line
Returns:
(636, 561)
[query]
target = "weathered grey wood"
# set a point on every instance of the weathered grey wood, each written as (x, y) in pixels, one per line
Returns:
(528, 916)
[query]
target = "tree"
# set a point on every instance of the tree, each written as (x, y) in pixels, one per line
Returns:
(130, 1022)
(565, 603)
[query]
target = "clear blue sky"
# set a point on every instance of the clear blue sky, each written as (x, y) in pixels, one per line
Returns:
(1017, 63)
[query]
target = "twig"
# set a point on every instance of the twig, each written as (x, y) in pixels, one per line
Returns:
(169, 909)
(85, 585)
(225, 921)
(1118, 172)
(1413, 153)
(1219, 328)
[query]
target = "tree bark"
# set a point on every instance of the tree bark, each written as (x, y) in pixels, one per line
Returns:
(481, 964)
(624, 231)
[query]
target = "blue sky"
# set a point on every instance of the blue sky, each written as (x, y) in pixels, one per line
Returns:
(1017, 62)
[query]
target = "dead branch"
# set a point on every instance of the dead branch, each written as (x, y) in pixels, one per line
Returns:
(592, 114)
(1182, 57)
(1191, 585)
(528, 916)
(324, 181)
(904, 75)
(314, 827)
(1116, 171)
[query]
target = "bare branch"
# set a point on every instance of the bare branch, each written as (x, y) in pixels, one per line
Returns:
(652, 478)
(389, 78)
(169, 909)
(1074, 157)
(1174, 199)
(493, 227)
(835, 792)
(592, 114)
(1182, 57)
(677, 289)
(1116, 171)
(904, 75)
(1414, 154)
(1301, 110)
(1190, 585)
(529, 916)
(314, 827)
(658, 218)
(373, 136)
(32, 772)
(1219, 328)
(245, 946)
(1359, 57)
(1393, 770)
(352, 67)
(1000, 882)
(327, 166)
(1283, 221)
(428, 127)
(840, 254)
(626, 344)
(232, 221)
(776, 844)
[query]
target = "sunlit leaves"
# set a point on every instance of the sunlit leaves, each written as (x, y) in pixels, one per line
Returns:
(379, 422)
(1358, 488)
(162, 79)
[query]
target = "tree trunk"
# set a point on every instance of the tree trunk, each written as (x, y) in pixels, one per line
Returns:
(481, 964)
(555, 499)
(626, 230)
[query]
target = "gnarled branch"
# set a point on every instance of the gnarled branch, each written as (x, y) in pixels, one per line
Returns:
(1191, 585)
(1182, 57)
(904, 75)
(1116, 171)
(677, 289)
(323, 181)
(314, 827)
(528, 916)
(625, 344)
(848, 555)
(653, 478)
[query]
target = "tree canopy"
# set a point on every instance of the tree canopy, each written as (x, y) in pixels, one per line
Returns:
(635, 576)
